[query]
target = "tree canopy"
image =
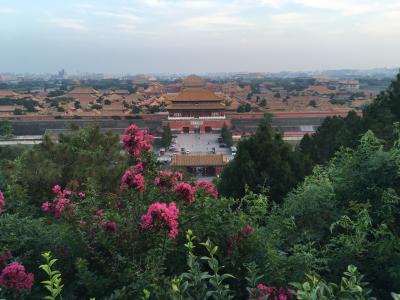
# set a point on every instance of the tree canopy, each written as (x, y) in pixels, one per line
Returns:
(263, 161)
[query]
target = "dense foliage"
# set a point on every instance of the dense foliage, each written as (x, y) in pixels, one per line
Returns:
(123, 228)
(264, 161)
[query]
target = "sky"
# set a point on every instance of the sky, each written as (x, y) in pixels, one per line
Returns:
(197, 36)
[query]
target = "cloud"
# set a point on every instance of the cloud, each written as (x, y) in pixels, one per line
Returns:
(215, 22)
(289, 18)
(383, 25)
(193, 4)
(343, 7)
(6, 10)
(119, 15)
(68, 23)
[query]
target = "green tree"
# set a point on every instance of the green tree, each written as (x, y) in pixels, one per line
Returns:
(263, 161)
(18, 111)
(263, 102)
(135, 109)
(226, 135)
(312, 103)
(334, 133)
(166, 137)
(6, 128)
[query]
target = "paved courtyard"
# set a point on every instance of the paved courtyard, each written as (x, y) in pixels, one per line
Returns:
(200, 143)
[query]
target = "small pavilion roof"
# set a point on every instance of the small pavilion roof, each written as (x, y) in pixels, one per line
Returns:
(198, 160)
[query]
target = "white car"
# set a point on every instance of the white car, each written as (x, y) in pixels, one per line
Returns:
(187, 151)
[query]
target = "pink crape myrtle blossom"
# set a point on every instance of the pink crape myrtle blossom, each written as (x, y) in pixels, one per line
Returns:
(109, 225)
(132, 180)
(185, 192)
(81, 195)
(159, 216)
(262, 292)
(135, 141)
(2, 202)
(99, 214)
(59, 204)
(167, 179)
(234, 241)
(208, 188)
(15, 277)
(56, 189)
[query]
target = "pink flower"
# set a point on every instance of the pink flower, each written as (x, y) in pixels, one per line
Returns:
(132, 180)
(234, 241)
(14, 277)
(208, 188)
(185, 192)
(56, 189)
(59, 204)
(99, 214)
(2, 202)
(136, 141)
(167, 179)
(109, 225)
(46, 206)
(249, 229)
(81, 195)
(262, 292)
(159, 216)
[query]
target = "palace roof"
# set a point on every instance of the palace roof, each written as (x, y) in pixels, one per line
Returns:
(196, 94)
(199, 160)
(194, 81)
(200, 106)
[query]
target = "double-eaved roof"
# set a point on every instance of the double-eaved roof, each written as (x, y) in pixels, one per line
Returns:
(196, 94)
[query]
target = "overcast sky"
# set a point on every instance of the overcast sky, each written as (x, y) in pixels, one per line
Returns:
(143, 36)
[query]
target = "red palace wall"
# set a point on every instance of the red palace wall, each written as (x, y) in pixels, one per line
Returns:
(203, 125)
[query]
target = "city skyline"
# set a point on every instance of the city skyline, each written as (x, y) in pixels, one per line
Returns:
(198, 36)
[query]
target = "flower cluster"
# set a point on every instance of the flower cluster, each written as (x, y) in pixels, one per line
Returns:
(15, 277)
(105, 224)
(160, 216)
(60, 202)
(109, 225)
(208, 188)
(167, 179)
(2, 202)
(133, 178)
(268, 292)
(136, 141)
(185, 192)
(234, 241)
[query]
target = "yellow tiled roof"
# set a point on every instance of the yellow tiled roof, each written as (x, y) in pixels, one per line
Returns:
(198, 160)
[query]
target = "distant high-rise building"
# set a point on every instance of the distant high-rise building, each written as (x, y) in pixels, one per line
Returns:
(61, 74)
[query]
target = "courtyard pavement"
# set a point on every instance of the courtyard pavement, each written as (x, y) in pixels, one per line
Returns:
(200, 143)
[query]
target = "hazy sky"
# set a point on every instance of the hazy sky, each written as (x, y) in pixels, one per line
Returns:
(135, 36)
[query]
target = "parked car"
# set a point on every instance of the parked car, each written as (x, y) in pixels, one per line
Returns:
(187, 151)
(213, 150)
(220, 140)
(162, 151)
(233, 150)
(183, 150)
(222, 145)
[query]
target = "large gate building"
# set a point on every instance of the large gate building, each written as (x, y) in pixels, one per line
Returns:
(196, 109)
